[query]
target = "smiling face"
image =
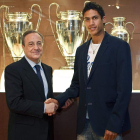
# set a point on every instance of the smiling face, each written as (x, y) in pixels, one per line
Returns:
(33, 48)
(93, 22)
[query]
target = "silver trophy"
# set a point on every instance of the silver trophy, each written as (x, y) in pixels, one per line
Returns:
(14, 25)
(68, 33)
(119, 28)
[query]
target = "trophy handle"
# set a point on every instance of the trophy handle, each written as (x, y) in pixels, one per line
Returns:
(57, 7)
(133, 28)
(58, 16)
(109, 23)
(6, 16)
(2, 29)
(39, 18)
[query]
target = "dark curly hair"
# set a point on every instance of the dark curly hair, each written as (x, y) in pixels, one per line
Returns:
(93, 6)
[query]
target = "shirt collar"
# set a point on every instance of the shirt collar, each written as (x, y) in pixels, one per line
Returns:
(33, 63)
(93, 43)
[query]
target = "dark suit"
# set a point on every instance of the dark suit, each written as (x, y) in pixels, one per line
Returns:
(105, 94)
(25, 98)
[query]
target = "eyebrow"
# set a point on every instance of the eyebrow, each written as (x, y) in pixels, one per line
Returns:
(33, 41)
(92, 16)
(30, 42)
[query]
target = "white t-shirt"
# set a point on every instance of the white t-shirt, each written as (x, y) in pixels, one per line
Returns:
(91, 56)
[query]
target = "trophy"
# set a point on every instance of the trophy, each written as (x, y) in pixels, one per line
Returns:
(119, 28)
(69, 33)
(17, 23)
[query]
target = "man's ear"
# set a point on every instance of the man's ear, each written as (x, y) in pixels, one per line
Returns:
(23, 47)
(104, 19)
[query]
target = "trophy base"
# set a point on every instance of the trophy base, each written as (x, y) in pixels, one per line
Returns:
(61, 80)
(70, 63)
(67, 68)
(16, 58)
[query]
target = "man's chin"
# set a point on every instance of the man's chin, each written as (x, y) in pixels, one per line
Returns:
(36, 57)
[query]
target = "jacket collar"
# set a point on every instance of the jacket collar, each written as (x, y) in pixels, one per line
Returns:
(99, 54)
(29, 72)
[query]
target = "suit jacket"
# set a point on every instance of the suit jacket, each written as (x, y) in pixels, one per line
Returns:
(25, 99)
(105, 94)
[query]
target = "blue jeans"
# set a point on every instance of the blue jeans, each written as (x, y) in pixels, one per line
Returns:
(89, 134)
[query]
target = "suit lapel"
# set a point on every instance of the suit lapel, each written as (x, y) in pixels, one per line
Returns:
(32, 76)
(100, 52)
(85, 52)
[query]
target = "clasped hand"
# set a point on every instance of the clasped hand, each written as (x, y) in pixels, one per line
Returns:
(51, 105)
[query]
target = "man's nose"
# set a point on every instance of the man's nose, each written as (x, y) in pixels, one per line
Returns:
(36, 46)
(91, 21)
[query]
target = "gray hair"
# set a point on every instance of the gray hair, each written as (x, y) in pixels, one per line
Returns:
(29, 32)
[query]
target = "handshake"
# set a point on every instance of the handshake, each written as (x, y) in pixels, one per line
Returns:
(51, 105)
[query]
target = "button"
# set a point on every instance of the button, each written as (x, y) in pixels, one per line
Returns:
(88, 87)
(89, 103)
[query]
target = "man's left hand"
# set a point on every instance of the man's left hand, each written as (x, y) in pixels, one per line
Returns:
(109, 135)
(68, 103)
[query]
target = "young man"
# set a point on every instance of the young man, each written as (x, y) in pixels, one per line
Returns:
(28, 83)
(102, 80)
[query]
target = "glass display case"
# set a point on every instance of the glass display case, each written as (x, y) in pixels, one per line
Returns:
(52, 56)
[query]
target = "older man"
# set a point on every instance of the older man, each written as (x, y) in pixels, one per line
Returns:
(28, 83)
